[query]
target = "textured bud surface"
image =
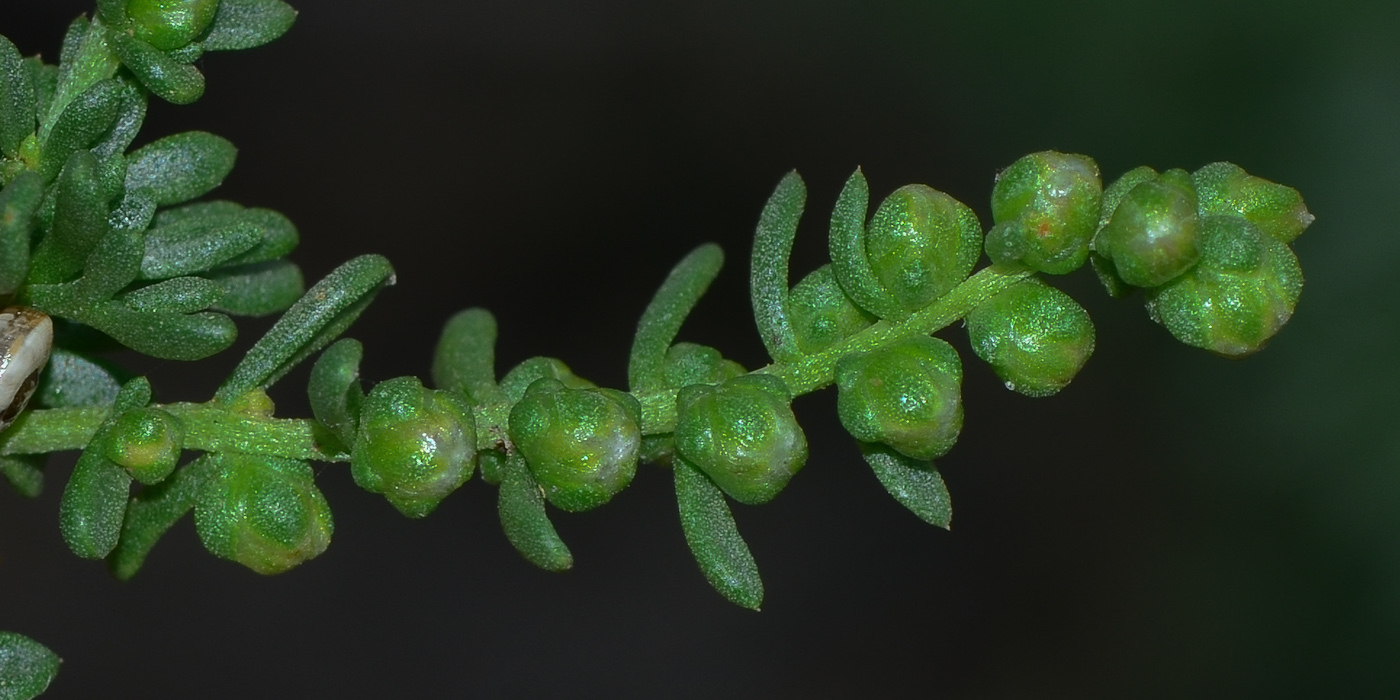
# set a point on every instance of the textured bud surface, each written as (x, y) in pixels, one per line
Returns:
(1035, 337)
(263, 512)
(922, 243)
(1045, 208)
(1152, 235)
(1240, 294)
(414, 445)
(170, 24)
(580, 444)
(1277, 210)
(742, 434)
(822, 314)
(147, 443)
(907, 396)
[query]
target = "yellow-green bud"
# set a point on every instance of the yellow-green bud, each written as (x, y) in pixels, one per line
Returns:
(742, 434)
(147, 443)
(263, 512)
(414, 445)
(907, 396)
(1045, 208)
(580, 444)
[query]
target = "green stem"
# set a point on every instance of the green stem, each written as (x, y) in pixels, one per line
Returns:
(213, 428)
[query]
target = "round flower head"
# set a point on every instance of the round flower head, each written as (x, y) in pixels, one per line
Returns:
(414, 445)
(742, 434)
(907, 396)
(580, 444)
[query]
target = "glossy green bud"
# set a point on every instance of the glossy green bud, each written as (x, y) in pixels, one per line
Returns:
(1277, 210)
(263, 512)
(170, 24)
(821, 313)
(1034, 336)
(147, 443)
(580, 444)
(1045, 208)
(1237, 297)
(689, 363)
(742, 434)
(907, 396)
(1153, 233)
(414, 445)
(921, 243)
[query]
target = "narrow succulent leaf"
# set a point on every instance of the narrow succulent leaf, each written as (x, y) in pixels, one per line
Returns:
(71, 379)
(175, 251)
(26, 667)
(668, 309)
(19, 202)
(94, 503)
(768, 278)
(181, 167)
(259, 289)
(25, 473)
(151, 513)
(82, 125)
(166, 335)
(44, 78)
(279, 236)
(208, 213)
(181, 295)
(335, 391)
(525, 522)
(169, 79)
(84, 61)
(16, 100)
(848, 255)
(131, 114)
(111, 12)
(245, 24)
(465, 359)
(79, 223)
(321, 315)
(134, 214)
(916, 484)
(714, 539)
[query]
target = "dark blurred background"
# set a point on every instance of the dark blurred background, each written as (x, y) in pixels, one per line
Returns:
(1173, 524)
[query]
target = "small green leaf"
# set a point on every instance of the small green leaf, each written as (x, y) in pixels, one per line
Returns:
(169, 79)
(84, 61)
(277, 234)
(79, 223)
(259, 289)
(111, 12)
(768, 278)
(181, 167)
(318, 318)
(19, 202)
(26, 667)
(848, 256)
(166, 335)
(94, 501)
(133, 214)
(465, 359)
(83, 124)
(245, 24)
(71, 379)
(525, 522)
(181, 295)
(44, 77)
(131, 114)
(25, 473)
(714, 539)
(154, 511)
(916, 484)
(172, 251)
(334, 389)
(668, 309)
(17, 120)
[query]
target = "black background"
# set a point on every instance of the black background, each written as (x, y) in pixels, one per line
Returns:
(1172, 524)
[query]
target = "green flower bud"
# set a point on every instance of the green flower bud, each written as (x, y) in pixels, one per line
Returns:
(907, 396)
(689, 363)
(581, 444)
(1152, 236)
(1035, 336)
(742, 434)
(147, 443)
(1277, 210)
(263, 512)
(414, 445)
(1045, 208)
(922, 243)
(1237, 297)
(170, 24)
(822, 315)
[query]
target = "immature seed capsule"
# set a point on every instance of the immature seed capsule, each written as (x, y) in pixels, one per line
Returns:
(1226, 189)
(170, 24)
(26, 339)
(263, 512)
(580, 444)
(921, 243)
(1045, 207)
(742, 434)
(1034, 336)
(1152, 235)
(1237, 297)
(907, 396)
(414, 445)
